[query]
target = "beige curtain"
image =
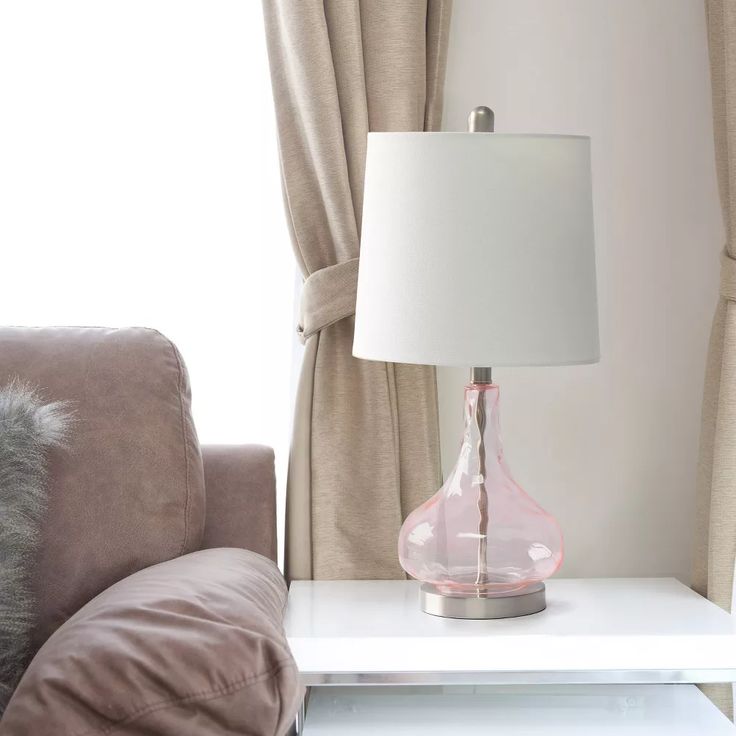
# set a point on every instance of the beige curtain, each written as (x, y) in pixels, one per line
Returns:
(365, 449)
(716, 513)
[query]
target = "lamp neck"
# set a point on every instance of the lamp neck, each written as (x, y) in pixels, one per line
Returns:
(481, 375)
(481, 435)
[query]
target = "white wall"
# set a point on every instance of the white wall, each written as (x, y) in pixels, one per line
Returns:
(610, 449)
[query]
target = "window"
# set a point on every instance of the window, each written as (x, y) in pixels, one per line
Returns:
(139, 185)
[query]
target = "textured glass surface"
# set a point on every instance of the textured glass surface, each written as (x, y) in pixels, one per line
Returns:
(480, 534)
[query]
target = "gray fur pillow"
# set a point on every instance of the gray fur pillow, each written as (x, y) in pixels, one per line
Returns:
(28, 428)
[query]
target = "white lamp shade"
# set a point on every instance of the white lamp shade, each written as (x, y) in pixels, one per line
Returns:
(477, 249)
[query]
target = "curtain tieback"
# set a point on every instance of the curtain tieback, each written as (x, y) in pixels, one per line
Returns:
(328, 295)
(728, 277)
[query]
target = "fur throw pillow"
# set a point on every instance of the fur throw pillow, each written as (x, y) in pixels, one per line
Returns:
(28, 428)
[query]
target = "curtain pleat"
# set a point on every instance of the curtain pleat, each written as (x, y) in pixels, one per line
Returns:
(715, 545)
(365, 448)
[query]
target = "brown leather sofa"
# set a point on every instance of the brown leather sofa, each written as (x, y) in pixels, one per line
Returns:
(158, 604)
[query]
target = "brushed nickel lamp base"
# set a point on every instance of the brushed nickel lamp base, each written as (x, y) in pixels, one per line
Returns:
(530, 600)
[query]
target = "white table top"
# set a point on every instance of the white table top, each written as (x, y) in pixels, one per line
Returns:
(625, 630)
(574, 710)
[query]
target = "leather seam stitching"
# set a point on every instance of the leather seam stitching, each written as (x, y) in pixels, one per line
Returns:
(203, 695)
(187, 500)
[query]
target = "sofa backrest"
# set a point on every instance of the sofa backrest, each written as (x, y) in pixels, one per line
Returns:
(128, 492)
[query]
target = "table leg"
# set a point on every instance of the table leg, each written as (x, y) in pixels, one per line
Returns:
(301, 715)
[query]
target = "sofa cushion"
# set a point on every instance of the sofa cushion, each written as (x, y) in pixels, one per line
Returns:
(129, 492)
(188, 647)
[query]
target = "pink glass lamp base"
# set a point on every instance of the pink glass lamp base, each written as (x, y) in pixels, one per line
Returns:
(481, 545)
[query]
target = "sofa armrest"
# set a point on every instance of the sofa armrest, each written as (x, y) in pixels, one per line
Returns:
(194, 645)
(240, 487)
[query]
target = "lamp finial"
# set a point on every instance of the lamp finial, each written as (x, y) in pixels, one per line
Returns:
(481, 120)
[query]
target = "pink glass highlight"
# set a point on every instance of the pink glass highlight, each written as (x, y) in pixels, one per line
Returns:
(480, 534)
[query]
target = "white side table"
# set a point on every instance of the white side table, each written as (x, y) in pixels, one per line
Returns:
(597, 632)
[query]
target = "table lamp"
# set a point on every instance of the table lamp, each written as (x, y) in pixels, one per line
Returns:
(477, 250)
